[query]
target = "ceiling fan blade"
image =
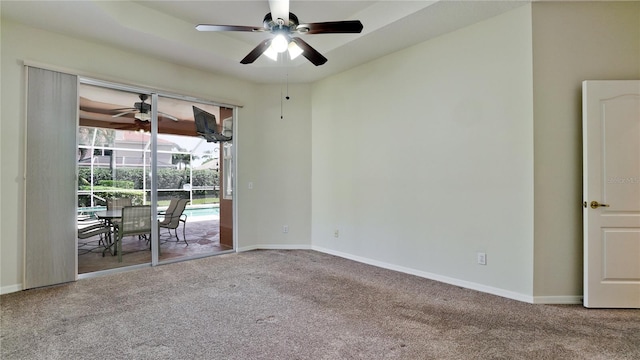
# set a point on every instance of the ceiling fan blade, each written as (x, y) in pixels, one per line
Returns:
(331, 27)
(280, 10)
(121, 126)
(160, 113)
(125, 113)
(210, 27)
(310, 53)
(93, 115)
(135, 126)
(121, 109)
(121, 120)
(256, 52)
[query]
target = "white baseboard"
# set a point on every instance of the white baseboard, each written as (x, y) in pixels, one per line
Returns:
(10, 289)
(274, 247)
(558, 300)
(444, 279)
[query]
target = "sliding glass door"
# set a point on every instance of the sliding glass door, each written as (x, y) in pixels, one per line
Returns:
(114, 170)
(166, 164)
(188, 182)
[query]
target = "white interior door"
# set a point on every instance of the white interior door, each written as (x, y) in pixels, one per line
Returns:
(611, 173)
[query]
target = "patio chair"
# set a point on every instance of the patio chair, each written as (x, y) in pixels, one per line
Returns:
(93, 230)
(88, 228)
(136, 220)
(118, 203)
(172, 206)
(85, 222)
(173, 219)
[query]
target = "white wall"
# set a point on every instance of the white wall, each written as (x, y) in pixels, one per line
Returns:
(258, 160)
(424, 157)
(276, 159)
(572, 42)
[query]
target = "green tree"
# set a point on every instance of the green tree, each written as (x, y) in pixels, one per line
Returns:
(103, 137)
(181, 158)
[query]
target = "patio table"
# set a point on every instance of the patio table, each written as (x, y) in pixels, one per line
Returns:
(109, 216)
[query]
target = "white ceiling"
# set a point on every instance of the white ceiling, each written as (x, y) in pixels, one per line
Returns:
(165, 29)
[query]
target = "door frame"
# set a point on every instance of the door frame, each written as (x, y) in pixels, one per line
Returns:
(600, 217)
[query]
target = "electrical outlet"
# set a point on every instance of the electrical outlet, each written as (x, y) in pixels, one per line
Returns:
(482, 258)
(250, 185)
(336, 233)
(285, 229)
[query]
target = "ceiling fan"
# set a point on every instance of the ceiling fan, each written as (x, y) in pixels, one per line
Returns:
(283, 24)
(141, 110)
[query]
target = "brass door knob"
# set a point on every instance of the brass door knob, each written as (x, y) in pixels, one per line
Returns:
(595, 205)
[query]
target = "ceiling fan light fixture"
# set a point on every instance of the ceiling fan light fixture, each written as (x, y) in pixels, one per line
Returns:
(294, 50)
(271, 54)
(142, 116)
(279, 44)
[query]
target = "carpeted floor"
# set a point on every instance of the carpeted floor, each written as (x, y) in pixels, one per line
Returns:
(297, 305)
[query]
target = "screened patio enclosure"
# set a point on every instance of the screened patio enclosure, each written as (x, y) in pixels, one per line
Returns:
(114, 163)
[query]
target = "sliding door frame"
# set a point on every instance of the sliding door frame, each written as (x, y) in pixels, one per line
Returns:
(155, 95)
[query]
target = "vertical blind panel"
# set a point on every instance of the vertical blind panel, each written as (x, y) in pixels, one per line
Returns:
(50, 230)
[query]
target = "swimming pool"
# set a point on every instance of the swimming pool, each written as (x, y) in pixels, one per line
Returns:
(200, 212)
(203, 212)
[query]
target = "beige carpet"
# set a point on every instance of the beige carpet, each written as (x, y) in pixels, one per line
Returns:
(297, 305)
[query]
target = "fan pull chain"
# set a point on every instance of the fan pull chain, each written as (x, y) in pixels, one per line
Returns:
(287, 84)
(281, 103)
(284, 59)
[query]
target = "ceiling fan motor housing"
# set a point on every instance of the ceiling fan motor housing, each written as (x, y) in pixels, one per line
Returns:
(143, 107)
(272, 25)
